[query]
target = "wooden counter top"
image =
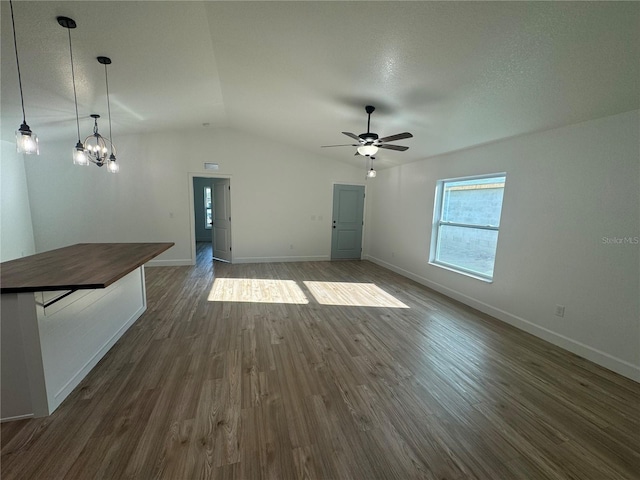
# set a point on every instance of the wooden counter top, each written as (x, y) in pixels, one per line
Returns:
(77, 267)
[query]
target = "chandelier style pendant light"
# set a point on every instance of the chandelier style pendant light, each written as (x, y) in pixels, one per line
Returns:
(26, 140)
(97, 147)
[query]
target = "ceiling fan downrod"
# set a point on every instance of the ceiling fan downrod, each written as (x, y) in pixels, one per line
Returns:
(369, 137)
(369, 109)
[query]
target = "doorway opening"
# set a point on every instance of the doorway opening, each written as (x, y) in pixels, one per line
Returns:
(210, 219)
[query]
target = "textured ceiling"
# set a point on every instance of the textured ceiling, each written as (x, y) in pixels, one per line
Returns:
(455, 74)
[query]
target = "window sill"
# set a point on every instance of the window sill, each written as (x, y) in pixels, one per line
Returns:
(450, 268)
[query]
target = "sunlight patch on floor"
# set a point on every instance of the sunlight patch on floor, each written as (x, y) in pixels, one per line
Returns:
(256, 290)
(352, 295)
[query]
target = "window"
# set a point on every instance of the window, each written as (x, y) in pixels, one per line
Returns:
(466, 221)
(207, 207)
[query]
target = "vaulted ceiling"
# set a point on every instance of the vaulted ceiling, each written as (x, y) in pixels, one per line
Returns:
(455, 74)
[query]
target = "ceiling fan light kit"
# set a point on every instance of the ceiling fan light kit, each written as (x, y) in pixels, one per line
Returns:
(95, 149)
(369, 142)
(367, 150)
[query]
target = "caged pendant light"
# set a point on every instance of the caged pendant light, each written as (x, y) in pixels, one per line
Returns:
(96, 147)
(112, 165)
(26, 140)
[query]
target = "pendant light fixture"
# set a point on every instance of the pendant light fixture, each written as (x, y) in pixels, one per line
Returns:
(112, 166)
(79, 155)
(371, 173)
(26, 140)
(96, 148)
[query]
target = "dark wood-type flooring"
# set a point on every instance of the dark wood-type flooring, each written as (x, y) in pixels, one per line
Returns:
(328, 389)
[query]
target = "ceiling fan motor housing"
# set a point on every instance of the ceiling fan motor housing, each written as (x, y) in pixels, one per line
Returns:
(368, 137)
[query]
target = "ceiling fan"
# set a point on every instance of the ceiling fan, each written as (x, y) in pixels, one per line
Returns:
(369, 143)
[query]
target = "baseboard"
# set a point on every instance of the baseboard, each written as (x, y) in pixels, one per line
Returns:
(597, 356)
(313, 258)
(169, 263)
(17, 417)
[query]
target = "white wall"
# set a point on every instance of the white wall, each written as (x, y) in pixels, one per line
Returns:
(567, 190)
(16, 232)
(275, 191)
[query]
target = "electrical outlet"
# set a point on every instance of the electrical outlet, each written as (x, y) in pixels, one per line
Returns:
(559, 310)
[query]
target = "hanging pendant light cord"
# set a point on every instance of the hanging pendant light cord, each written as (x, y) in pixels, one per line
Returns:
(15, 45)
(73, 78)
(106, 79)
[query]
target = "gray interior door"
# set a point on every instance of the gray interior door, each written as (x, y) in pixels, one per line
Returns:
(348, 208)
(221, 219)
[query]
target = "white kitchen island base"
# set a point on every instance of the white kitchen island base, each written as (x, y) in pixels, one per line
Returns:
(48, 350)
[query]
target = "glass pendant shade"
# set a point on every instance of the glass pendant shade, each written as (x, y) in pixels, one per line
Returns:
(112, 165)
(27, 141)
(371, 173)
(79, 155)
(367, 150)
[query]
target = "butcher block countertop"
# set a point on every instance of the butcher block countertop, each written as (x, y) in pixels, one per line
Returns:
(77, 267)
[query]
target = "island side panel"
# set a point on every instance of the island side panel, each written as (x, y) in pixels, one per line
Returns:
(22, 371)
(77, 331)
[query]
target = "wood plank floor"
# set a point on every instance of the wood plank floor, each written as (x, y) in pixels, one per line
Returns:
(326, 370)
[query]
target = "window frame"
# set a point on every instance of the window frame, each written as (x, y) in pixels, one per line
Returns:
(437, 222)
(208, 226)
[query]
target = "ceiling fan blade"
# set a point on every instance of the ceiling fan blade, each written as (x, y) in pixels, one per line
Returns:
(400, 148)
(352, 135)
(344, 145)
(398, 136)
